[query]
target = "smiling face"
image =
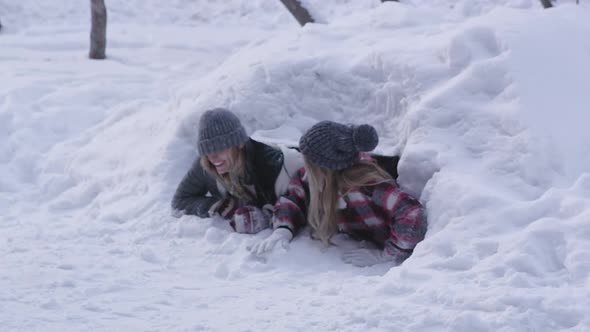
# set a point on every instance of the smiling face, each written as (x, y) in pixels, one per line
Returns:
(228, 168)
(222, 160)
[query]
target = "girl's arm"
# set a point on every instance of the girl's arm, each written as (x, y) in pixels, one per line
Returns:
(408, 223)
(190, 196)
(291, 208)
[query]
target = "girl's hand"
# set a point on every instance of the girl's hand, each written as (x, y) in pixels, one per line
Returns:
(281, 236)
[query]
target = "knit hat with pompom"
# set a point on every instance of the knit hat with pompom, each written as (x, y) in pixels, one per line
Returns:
(336, 146)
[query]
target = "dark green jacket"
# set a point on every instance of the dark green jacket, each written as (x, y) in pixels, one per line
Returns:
(198, 190)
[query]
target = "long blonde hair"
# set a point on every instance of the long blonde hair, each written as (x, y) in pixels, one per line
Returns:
(233, 180)
(326, 186)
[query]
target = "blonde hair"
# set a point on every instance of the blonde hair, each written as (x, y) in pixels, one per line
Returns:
(232, 180)
(326, 186)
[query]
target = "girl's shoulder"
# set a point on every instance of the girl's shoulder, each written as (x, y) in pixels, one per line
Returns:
(381, 188)
(292, 167)
(267, 154)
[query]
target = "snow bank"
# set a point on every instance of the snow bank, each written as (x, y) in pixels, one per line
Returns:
(451, 97)
(91, 152)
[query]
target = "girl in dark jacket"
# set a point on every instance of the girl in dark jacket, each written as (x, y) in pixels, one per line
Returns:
(235, 177)
(342, 189)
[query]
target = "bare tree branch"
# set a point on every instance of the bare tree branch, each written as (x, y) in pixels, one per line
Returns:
(546, 4)
(298, 11)
(98, 30)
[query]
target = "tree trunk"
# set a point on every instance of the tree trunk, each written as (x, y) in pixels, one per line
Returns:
(546, 4)
(98, 30)
(298, 11)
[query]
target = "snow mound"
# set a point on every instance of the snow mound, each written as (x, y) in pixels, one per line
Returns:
(91, 152)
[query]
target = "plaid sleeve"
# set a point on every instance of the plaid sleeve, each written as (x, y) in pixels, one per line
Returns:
(408, 226)
(291, 208)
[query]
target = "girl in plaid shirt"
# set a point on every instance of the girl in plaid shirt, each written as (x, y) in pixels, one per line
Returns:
(342, 189)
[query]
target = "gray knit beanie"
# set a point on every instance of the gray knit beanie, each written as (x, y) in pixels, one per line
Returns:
(220, 129)
(336, 146)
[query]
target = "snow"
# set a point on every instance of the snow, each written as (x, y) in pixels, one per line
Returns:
(484, 100)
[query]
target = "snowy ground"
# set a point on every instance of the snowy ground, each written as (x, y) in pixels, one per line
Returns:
(485, 100)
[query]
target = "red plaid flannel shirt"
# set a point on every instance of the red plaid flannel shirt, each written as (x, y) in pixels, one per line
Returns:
(381, 213)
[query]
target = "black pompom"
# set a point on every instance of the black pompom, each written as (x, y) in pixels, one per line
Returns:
(365, 138)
